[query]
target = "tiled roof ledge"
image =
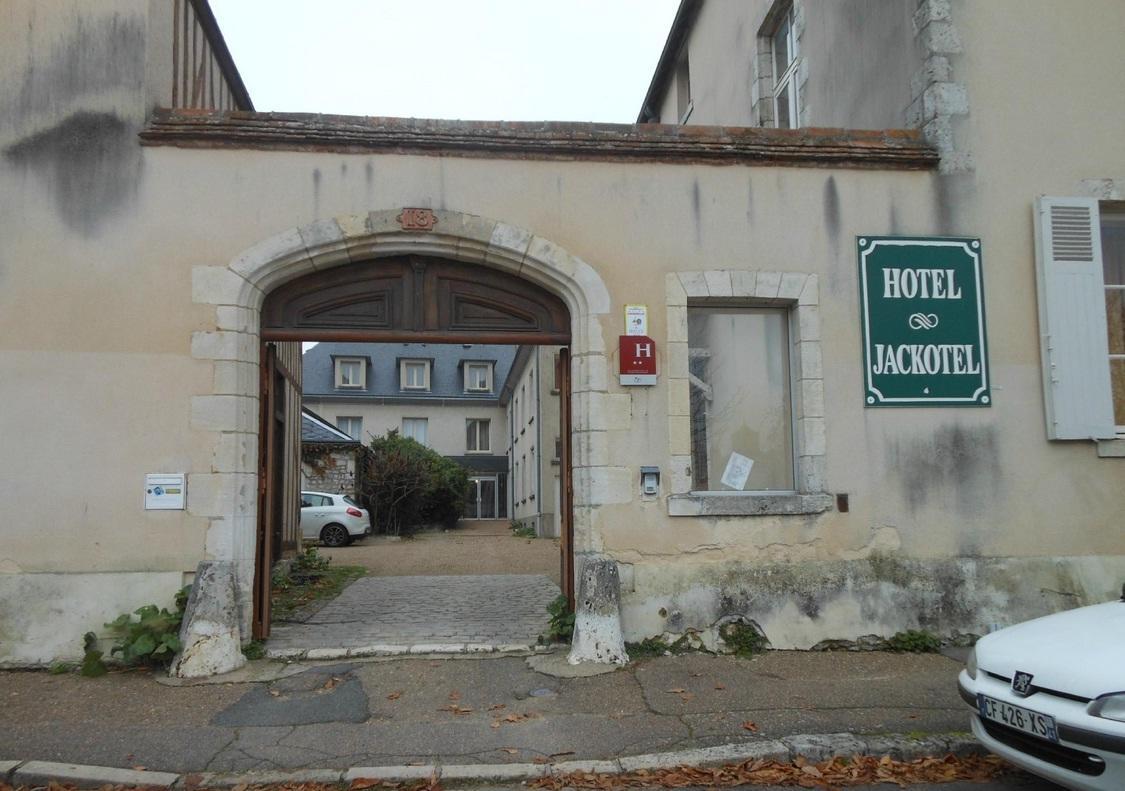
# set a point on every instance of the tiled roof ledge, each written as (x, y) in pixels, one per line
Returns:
(716, 145)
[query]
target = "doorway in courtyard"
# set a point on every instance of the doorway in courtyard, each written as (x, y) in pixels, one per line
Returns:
(433, 400)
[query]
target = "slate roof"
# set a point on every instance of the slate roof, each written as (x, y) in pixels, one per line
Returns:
(314, 428)
(446, 378)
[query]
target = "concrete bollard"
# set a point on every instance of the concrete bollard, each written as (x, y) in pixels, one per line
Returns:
(210, 635)
(597, 618)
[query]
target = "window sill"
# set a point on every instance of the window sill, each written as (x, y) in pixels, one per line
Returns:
(748, 504)
(478, 453)
(1111, 448)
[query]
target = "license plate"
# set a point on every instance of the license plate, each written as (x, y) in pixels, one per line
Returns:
(1026, 720)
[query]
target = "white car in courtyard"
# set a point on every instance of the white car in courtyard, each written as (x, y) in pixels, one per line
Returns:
(333, 519)
(1049, 696)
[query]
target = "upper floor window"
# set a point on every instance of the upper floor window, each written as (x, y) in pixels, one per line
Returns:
(478, 377)
(786, 91)
(414, 374)
(351, 372)
(477, 435)
(683, 89)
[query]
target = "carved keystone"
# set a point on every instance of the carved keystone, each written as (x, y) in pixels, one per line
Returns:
(210, 633)
(597, 621)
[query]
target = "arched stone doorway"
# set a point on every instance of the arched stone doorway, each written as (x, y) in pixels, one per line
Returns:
(238, 292)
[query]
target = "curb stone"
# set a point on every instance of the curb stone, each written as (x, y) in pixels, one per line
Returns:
(812, 746)
(6, 768)
(37, 773)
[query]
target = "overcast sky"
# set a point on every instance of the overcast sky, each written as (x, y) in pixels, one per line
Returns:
(513, 60)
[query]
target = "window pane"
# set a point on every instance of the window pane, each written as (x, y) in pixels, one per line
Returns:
(482, 435)
(1113, 246)
(781, 48)
(783, 117)
(740, 395)
(1115, 319)
(1117, 374)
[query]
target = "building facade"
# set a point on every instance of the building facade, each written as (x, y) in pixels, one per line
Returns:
(534, 444)
(147, 230)
(445, 396)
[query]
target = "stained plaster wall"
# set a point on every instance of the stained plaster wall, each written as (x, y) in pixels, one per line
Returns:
(958, 518)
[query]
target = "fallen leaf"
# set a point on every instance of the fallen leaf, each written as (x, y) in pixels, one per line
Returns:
(720, 686)
(394, 696)
(454, 695)
(750, 726)
(364, 782)
(139, 768)
(497, 707)
(453, 708)
(331, 683)
(275, 693)
(676, 691)
(509, 750)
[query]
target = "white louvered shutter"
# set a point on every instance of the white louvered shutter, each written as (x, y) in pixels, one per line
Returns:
(1072, 322)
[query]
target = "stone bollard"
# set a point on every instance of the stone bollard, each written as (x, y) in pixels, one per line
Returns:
(597, 618)
(210, 635)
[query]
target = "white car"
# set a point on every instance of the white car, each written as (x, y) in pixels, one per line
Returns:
(1049, 696)
(333, 519)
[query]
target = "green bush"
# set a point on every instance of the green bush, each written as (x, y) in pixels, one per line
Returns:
(406, 486)
(914, 641)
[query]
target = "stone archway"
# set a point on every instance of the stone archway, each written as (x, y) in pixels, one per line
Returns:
(227, 495)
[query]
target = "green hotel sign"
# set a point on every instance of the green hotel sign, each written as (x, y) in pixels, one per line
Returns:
(923, 322)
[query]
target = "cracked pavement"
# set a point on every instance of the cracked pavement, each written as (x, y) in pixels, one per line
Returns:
(470, 710)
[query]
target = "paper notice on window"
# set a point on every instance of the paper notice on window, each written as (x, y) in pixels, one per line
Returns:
(737, 472)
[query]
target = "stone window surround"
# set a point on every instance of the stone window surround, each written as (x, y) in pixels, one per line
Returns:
(226, 494)
(799, 291)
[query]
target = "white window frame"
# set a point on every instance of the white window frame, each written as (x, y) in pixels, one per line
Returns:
(339, 366)
(358, 435)
(798, 291)
(415, 422)
(405, 366)
(1117, 210)
(478, 427)
(469, 368)
(787, 79)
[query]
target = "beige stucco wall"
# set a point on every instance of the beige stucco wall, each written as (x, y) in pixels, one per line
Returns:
(958, 517)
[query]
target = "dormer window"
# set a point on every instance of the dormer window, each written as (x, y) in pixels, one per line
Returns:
(351, 373)
(414, 374)
(478, 377)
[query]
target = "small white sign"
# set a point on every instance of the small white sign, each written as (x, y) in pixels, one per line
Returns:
(636, 320)
(737, 472)
(165, 491)
(629, 380)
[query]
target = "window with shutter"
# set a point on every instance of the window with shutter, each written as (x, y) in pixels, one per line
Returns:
(1072, 319)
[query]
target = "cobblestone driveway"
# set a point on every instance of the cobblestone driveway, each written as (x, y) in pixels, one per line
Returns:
(431, 614)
